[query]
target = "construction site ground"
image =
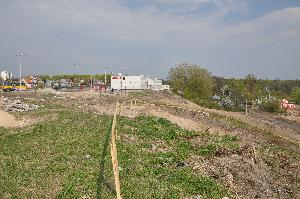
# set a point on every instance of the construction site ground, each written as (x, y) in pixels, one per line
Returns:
(260, 159)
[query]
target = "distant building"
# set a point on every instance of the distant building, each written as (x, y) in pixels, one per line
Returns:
(140, 82)
(30, 81)
(6, 75)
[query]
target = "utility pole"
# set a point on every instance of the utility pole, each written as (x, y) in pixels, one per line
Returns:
(91, 81)
(20, 65)
(122, 84)
(246, 106)
(105, 70)
(75, 66)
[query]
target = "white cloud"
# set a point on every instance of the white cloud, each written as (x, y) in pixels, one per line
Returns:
(216, 8)
(150, 25)
(278, 25)
(108, 19)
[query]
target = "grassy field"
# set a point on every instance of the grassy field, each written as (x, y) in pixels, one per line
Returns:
(61, 158)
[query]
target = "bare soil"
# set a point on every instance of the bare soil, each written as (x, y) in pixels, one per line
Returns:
(7, 120)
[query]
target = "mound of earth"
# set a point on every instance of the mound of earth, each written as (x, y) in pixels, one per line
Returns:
(264, 164)
(7, 120)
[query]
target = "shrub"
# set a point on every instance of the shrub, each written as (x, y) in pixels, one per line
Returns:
(296, 96)
(272, 106)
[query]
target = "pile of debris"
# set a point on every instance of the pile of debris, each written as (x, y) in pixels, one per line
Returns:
(16, 105)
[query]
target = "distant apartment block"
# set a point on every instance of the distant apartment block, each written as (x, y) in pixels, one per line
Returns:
(6, 75)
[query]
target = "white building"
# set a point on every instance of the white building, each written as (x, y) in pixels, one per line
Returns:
(140, 82)
(128, 82)
(5, 75)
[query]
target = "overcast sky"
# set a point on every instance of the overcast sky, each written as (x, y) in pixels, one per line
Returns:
(230, 38)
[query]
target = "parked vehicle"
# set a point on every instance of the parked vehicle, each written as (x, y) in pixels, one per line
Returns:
(12, 86)
(7, 86)
(19, 87)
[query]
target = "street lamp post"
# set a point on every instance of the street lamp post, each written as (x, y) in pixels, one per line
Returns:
(75, 66)
(105, 70)
(20, 65)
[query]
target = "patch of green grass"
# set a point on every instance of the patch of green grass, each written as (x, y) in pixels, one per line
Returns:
(150, 127)
(2, 131)
(236, 123)
(69, 187)
(160, 175)
(41, 159)
(53, 106)
(298, 183)
(183, 182)
(60, 159)
(207, 150)
(140, 94)
(276, 155)
(217, 144)
(232, 121)
(278, 149)
(268, 132)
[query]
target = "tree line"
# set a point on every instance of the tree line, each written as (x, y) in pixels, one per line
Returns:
(198, 85)
(75, 78)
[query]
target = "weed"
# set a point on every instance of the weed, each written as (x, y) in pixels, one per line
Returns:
(298, 183)
(207, 150)
(2, 131)
(275, 155)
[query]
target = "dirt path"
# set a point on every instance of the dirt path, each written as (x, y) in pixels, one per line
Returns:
(180, 121)
(275, 123)
(286, 126)
(7, 120)
(279, 124)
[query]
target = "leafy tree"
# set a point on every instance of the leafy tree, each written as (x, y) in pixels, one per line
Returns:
(250, 82)
(237, 92)
(296, 96)
(219, 83)
(251, 88)
(192, 81)
(76, 78)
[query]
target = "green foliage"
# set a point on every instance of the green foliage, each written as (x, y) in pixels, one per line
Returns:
(295, 96)
(210, 104)
(285, 86)
(2, 131)
(251, 88)
(237, 93)
(194, 82)
(272, 106)
(154, 169)
(49, 159)
(270, 151)
(250, 82)
(217, 144)
(207, 150)
(76, 78)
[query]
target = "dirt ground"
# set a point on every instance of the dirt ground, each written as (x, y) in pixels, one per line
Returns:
(267, 165)
(7, 120)
(286, 125)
